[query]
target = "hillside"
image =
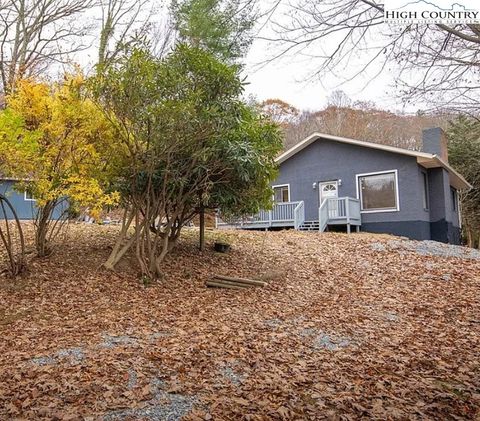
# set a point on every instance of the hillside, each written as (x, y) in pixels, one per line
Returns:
(361, 326)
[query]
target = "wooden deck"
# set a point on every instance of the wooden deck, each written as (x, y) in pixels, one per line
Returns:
(282, 215)
(333, 211)
(340, 211)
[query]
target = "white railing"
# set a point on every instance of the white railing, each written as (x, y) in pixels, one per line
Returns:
(299, 215)
(341, 209)
(354, 210)
(323, 215)
(283, 211)
(289, 213)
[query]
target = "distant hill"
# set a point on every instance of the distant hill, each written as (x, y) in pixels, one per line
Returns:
(368, 124)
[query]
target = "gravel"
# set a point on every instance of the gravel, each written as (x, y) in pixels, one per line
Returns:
(163, 406)
(132, 379)
(110, 341)
(73, 355)
(273, 323)
(322, 340)
(391, 317)
(428, 248)
(231, 374)
(325, 341)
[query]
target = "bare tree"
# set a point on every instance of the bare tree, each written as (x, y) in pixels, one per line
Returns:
(36, 33)
(279, 111)
(122, 21)
(365, 121)
(440, 61)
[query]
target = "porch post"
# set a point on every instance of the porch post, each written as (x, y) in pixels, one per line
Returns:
(347, 209)
(347, 213)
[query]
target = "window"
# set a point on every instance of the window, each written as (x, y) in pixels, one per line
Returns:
(28, 197)
(425, 190)
(281, 194)
(378, 191)
(453, 194)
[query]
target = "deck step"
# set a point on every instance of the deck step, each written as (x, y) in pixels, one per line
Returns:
(309, 226)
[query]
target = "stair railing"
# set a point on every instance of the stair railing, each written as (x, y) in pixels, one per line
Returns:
(299, 215)
(323, 215)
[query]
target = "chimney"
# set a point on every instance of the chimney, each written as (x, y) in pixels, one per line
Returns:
(435, 142)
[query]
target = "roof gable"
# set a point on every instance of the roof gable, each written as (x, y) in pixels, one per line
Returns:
(427, 160)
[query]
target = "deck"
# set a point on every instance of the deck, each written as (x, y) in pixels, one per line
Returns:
(333, 211)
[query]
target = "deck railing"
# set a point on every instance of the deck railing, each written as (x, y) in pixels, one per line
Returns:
(341, 209)
(299, 215)
(287, 214)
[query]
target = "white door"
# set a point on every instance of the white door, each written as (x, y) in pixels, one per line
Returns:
(328, 190)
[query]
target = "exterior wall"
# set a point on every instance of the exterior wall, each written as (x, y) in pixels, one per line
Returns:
(326, 160)
(25, 209)
(444, 221)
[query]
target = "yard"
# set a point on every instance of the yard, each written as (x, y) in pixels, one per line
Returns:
(355, 326)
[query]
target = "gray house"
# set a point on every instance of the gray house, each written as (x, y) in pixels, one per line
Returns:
(327, 182)
(23, 202)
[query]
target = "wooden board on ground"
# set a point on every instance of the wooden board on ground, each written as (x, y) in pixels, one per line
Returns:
(230, 282)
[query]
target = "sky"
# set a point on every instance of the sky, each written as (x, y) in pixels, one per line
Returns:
(289, 78)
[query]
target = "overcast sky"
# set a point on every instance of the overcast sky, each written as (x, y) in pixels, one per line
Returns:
(290, 78)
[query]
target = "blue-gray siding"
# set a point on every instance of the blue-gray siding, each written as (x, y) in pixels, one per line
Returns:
(25, 209)
(327, 160)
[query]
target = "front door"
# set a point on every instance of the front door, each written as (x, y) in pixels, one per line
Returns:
(328, 190)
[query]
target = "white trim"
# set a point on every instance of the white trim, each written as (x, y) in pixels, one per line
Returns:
(397, 192)
(424, 159)
(456, 200)
(283, 185)
(310, 139)
(26, 199)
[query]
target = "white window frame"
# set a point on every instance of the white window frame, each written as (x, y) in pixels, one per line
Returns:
(397, 189)
(26, 199)
(455, 206)
(288, 189)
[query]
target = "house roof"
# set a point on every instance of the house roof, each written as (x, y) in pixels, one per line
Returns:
(424, 159)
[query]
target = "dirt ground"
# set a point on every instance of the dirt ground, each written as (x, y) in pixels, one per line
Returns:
(349, 327)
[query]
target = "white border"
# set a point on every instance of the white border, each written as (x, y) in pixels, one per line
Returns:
(283, 185)
(26, 199)
(397, 195)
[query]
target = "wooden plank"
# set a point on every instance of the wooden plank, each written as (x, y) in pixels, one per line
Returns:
(241, 280)
(223, 285)
(234, 283)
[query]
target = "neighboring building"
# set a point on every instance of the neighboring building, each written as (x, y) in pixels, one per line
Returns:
(23, 203)
(328, 181)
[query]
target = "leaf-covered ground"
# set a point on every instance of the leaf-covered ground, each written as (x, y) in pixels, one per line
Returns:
(349, 327)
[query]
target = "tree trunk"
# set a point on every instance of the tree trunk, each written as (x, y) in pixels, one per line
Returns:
(201, 245)
(469, 237)
(121, 247)
(42, 226)
(16, 258)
